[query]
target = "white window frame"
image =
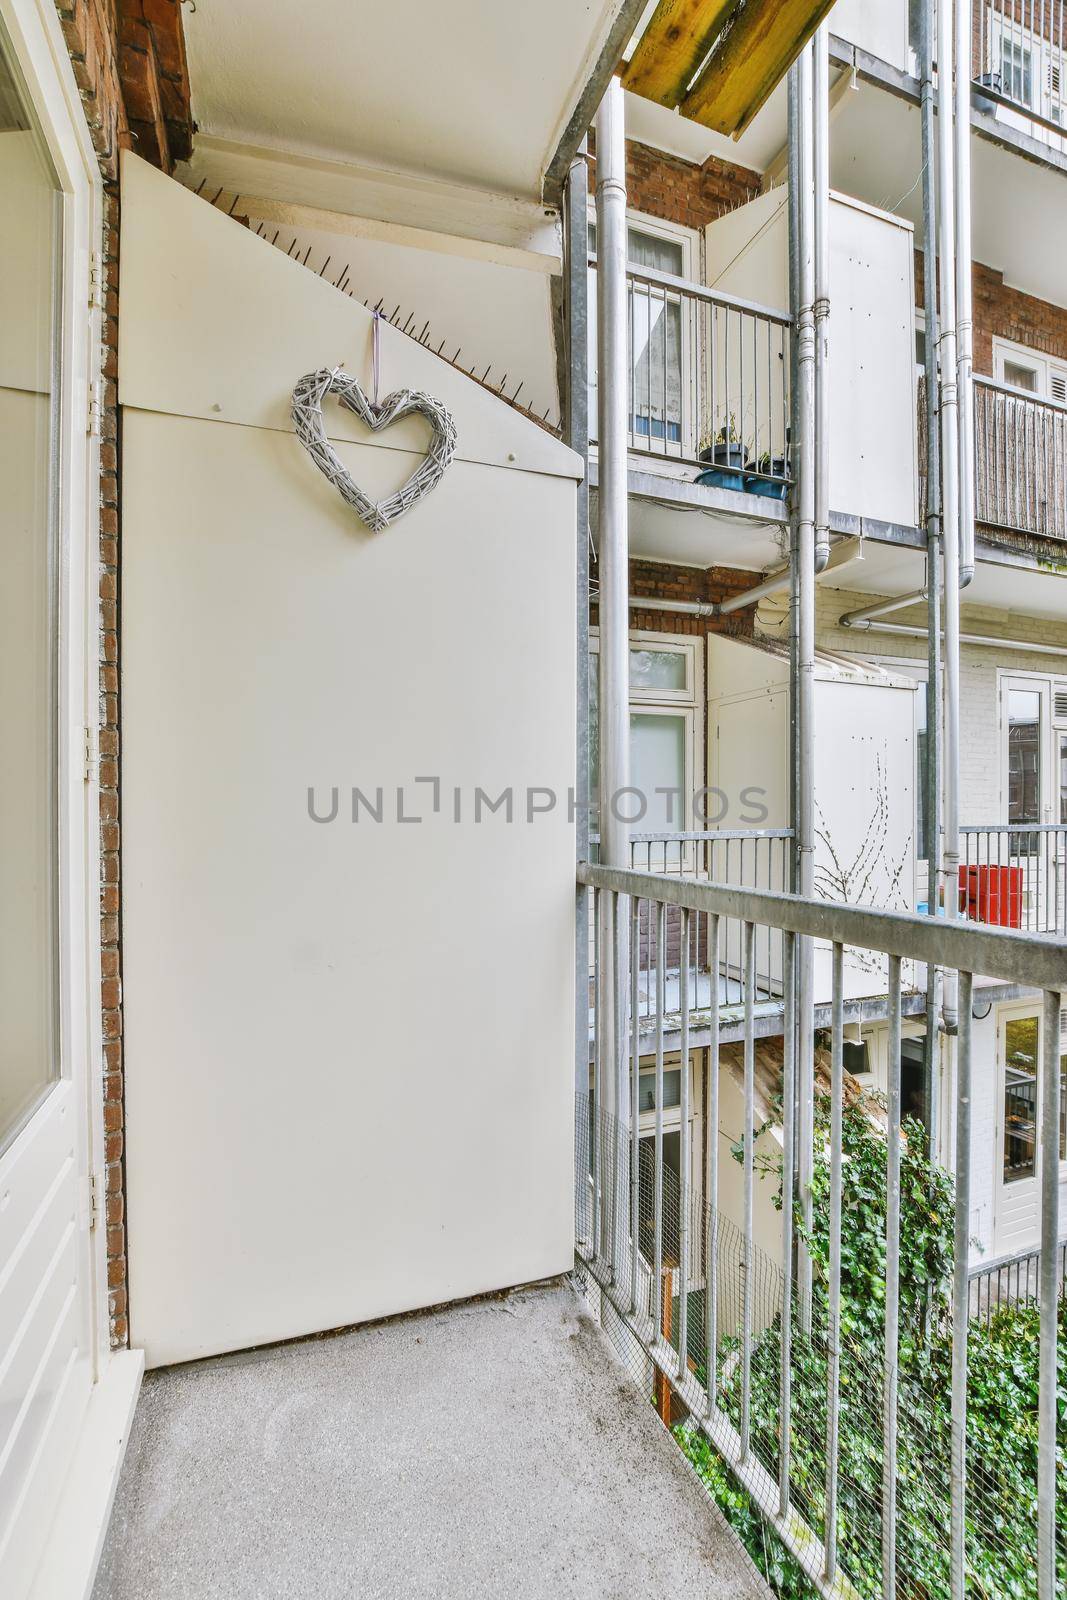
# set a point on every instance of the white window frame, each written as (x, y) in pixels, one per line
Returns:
(1046, 686)
(1050, 373)
(691, 243)
(669, 702)
(37, 40)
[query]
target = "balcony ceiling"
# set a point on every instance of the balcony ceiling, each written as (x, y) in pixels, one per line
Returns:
(1019, 218)
(472, 92)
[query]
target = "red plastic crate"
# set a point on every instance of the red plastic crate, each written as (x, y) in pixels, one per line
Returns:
(993, 895)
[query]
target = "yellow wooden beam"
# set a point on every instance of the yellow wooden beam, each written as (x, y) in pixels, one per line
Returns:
(765, 40)
(678, 37)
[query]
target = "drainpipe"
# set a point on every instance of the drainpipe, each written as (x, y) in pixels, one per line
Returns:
(964, 290)
(934, 563)
(821, 296)
(950, 487)
(801, 177)
(613, 565)
(576, 290)
(881, 608)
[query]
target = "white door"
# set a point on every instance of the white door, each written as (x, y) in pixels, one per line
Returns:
(46, 805)
(1017, 1207)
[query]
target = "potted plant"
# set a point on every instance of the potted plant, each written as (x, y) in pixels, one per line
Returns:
(725, 452)
(989, 80)
(767, 475)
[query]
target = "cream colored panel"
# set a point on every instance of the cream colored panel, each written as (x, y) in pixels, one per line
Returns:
(878, 26)
(873, 470)
(222, 325)
(26, 286)
(28, 1048)
(349, 1046)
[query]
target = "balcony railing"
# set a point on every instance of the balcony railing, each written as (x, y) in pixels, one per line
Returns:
(1015, 877)
(1013, 1281)
(709, 381)
(749, 858)
(852, 1455)
(1018, 63)
(1020, 460)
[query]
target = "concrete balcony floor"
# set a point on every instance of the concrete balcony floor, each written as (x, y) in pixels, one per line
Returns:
(494, 1448)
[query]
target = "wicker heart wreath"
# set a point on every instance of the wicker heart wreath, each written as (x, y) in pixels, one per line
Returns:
(311, 431)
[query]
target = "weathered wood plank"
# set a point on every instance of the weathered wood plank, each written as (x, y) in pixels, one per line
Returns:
(763, 43)
(678, 37)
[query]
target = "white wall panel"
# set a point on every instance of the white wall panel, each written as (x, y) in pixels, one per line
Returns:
(349, 1046)
(873, 471)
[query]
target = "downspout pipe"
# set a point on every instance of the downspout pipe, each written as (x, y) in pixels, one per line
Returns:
(821, 296)
(801, 178)
(881, 608)
(613, 706)
(950, 487)
(964, 291)
(576, 344)
(934, 565)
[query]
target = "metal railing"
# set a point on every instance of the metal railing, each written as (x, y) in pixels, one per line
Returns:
(715, 1319)
(1018, 63)
(1012, 1281)
(709, 381)
(749, 858)
(1015, 876)
(1020, 460)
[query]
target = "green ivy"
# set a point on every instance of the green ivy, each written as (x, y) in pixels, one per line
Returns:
(1002, 1397)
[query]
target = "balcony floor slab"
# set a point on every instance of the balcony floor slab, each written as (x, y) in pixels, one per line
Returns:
(495, 1447)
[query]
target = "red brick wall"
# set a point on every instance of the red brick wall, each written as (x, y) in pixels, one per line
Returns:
(129, 63)
(679, 191)
(659, 580)
(1006, 313)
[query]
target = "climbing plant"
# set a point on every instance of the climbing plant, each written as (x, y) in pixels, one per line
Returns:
(1002, 1396)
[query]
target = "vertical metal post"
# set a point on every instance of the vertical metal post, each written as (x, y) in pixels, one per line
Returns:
(892, 1292)
(804, 489)
(785, 1398)
(613, 562)
(748, 970)
(576, 325)
(961, 1310)
(833, 1330)
(964, 331)
(821, 290)
(657, 1171)
(683, 1151)
(1047, 1357)
(950, 487)
(711, 1176)
(932, 796)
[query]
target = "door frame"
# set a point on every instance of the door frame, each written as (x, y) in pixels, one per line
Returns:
(1006, 1013)
(36, 37)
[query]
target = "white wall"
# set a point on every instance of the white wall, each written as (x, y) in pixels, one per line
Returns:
(878, 26)
(873, 469)
(349, 1047)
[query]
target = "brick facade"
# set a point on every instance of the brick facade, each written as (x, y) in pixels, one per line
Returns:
(1005, 313)
(676, 190)
(129, 64)
(660, 580)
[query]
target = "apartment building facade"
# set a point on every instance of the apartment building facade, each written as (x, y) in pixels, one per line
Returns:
(295, 985)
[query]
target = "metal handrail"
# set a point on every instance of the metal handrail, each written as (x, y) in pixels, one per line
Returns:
(1038, 961)
(691, 290)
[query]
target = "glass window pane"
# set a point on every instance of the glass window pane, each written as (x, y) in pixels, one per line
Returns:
(1021, 1054)
(672, 1089)
(658, 669)
(657, 761)
(1024, 755)
(1020, 377)
(1063, 777)
(28, 342)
